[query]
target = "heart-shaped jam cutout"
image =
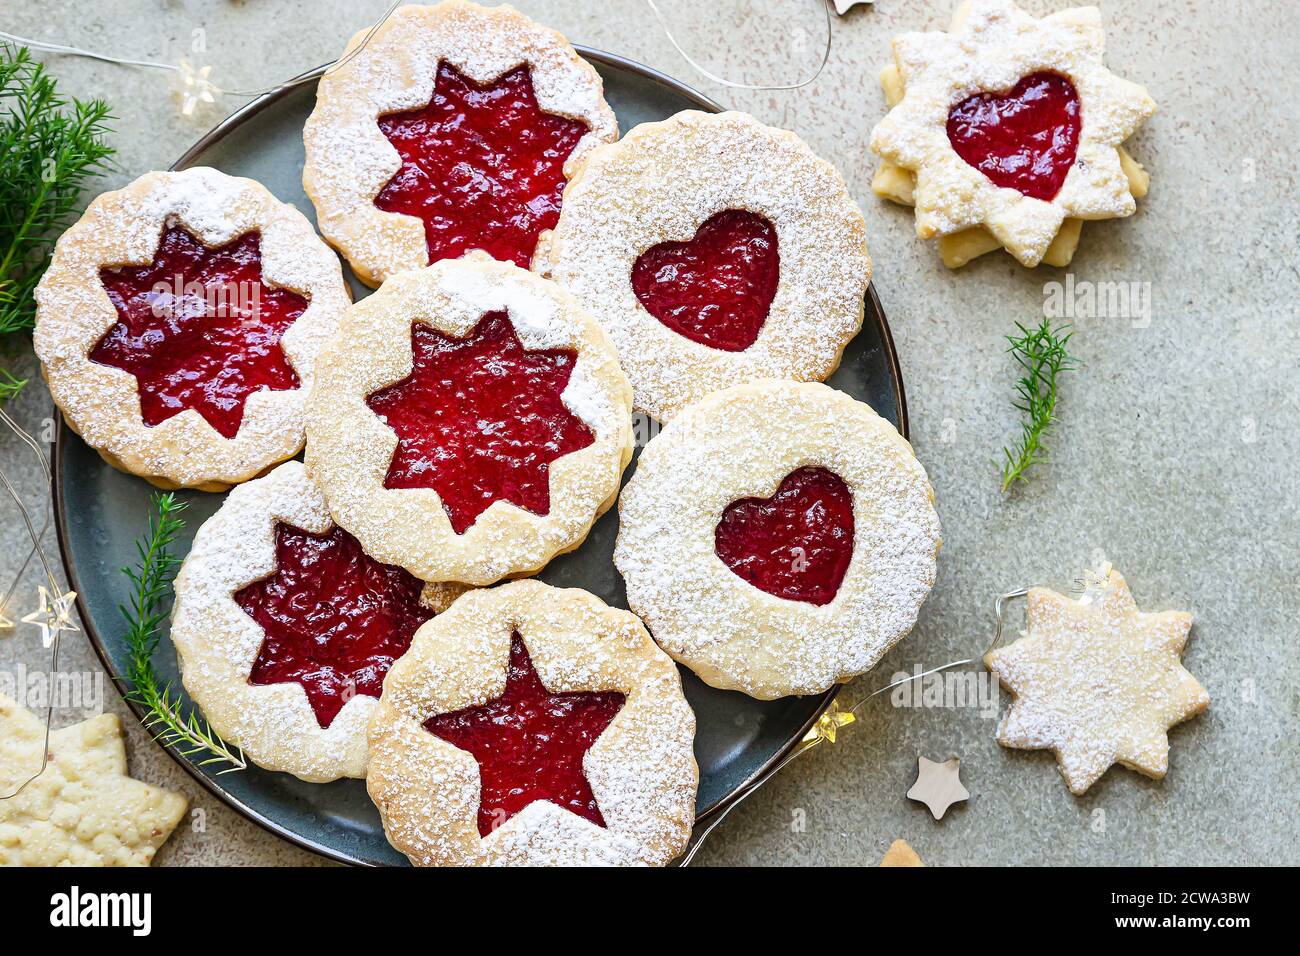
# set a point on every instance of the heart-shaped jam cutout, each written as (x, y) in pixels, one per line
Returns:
(335, 619)
(1025, 139)
(198, 328)
(482, 166)
(480, 418)
(529, 743)
(796, 544)
(717, 288)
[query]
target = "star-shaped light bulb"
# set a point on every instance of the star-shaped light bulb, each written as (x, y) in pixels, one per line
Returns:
(194, 86)
(829, 723)
(54, 615)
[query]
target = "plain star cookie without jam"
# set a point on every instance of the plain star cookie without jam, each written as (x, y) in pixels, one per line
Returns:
(531, 725)
(1006, 131)
(1097, 681)
(715, 251)
(83, 810)
(470, 422)
(284, 628)
(454, 128)
(178, 326)
(778, 538)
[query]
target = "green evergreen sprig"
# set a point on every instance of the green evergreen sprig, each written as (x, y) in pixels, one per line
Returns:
(1042, 356)
(50, 147)
(172, 724)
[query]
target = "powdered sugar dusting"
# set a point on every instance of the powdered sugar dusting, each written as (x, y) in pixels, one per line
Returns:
(642, 768)
(349, 160)
(217, 642)
(991, 45)
(102, 403)
(658, 184)
(349, 448)
(742, 442)
(1097, 681)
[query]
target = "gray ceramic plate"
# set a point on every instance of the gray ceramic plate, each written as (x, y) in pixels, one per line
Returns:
(100, 512)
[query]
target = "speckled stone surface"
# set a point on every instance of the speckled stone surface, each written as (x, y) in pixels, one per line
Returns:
(1175, 456)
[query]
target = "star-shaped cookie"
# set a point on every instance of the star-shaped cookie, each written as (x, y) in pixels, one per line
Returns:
(83, 810)
(1097, 681)
(993, 48)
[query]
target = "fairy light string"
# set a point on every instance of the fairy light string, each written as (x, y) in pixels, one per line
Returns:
(826, 729)
(197, 86)
(54, 616)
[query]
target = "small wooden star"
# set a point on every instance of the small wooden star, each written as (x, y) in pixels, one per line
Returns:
(1097, 681)
(831, 720)
(53, 616)
(938, 785)
(900, 854)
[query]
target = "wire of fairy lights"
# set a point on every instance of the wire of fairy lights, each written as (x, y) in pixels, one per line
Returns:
(54, 616)
(197, 87)
(826, 729)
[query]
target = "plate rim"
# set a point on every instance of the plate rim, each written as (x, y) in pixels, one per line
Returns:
(873, 312)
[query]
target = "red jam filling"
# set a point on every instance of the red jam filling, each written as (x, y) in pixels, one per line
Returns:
(482, 166)
(1024, 139)
(480, 419)
(717, 288)
(335, 618)
(796, 544)
(198, 328)
(529, 743)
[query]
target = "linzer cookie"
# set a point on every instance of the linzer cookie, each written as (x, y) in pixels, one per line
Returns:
(715, 251)
(454, 128)
(1006, 131)
(531, 725)
(178, 326)
(777, 538)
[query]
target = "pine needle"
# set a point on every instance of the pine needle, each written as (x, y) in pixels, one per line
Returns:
(172, 724)
(1042, 356)
(50, 147)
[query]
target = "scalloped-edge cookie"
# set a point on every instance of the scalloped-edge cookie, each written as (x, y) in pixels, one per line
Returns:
(532, 725)
(470, 422)
(284, 628)
(715, 251)
(778, 538)
(226, 384)
(408, 160)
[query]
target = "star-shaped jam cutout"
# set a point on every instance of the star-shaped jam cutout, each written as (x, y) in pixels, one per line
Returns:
(198, 328)
(335, 619)
(530, 743)
(482, 165)
(1097, 681)
(479, 419)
